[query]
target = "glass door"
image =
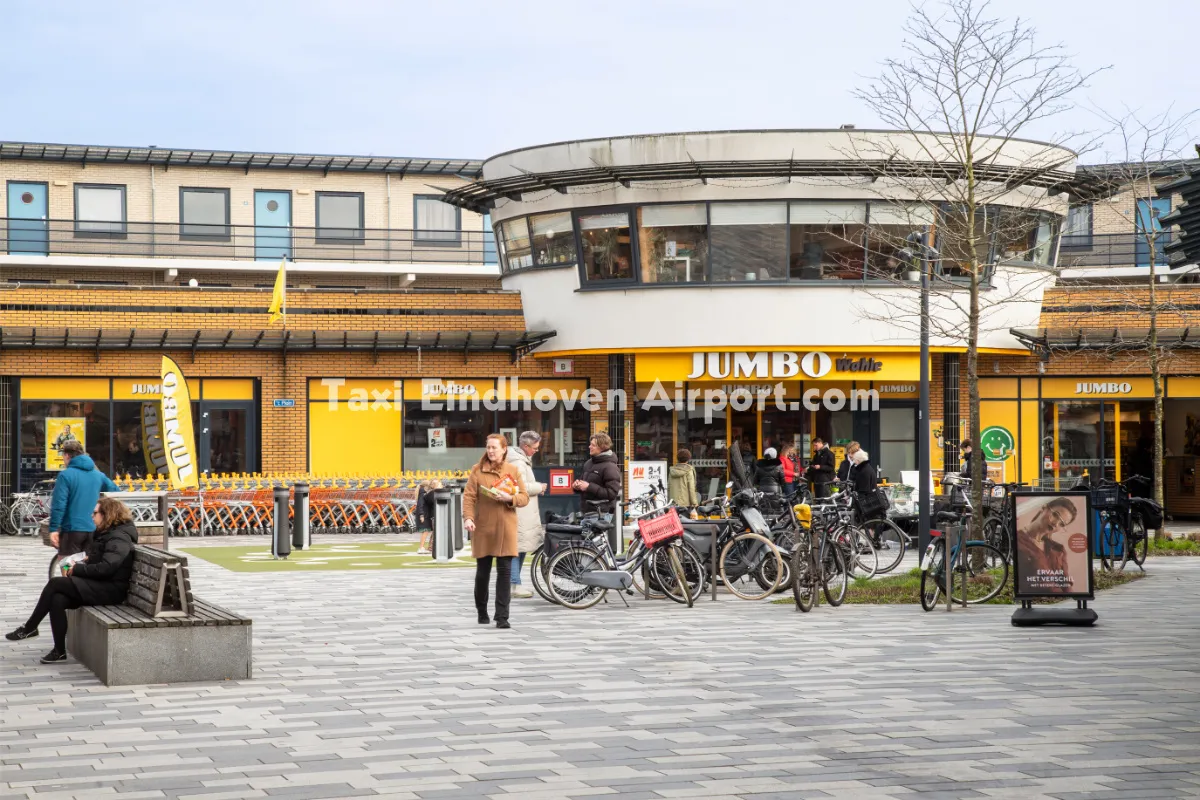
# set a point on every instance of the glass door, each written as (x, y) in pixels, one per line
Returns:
(897, 441)
(28, 229)
(227, 437)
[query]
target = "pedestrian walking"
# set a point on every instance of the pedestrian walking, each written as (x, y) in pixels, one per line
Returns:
(821, 470)
(967, 459)
(495, 490)
(529, 521)
(845, 472)
(681, 481)
(101, 579)
(76, 490)
(768, 472)
(599, 482)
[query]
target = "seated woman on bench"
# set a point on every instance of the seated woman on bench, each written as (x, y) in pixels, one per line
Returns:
(101, 579)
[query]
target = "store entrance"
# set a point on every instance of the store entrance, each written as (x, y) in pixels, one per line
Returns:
(226, 437)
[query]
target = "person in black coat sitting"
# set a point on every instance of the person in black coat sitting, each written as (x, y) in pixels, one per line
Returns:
(101, 579)
(768, 472)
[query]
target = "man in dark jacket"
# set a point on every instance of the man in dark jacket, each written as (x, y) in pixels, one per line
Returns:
(599, 482)
(76, 490)
(821, 470)
(768, 472)
(965, 448)
(101, 579)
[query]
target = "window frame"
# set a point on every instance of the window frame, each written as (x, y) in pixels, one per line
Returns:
(630, 210)
(361, 229)
(204, 237)
(122, 233)
(458, 231)
(1081, 240)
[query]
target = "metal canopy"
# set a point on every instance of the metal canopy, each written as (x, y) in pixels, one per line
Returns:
(516, 343)
(482, 195)
(170, 157)
(1046, 340)
(1185, 249)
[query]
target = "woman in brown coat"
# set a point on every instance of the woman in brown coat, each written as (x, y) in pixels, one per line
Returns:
(490, 515)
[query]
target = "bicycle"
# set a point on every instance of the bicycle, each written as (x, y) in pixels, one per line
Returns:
(858, 550)
(745, 546)
(999, 527)
(981, 568)
(1121, 534)
(820, 567)
(579, 577)
(888, 541)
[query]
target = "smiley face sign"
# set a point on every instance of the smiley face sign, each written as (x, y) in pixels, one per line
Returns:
(996, 443)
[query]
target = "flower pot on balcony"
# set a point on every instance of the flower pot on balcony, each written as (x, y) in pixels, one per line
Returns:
(912, 275)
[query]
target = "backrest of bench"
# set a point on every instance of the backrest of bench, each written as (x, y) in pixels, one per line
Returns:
(160, 585)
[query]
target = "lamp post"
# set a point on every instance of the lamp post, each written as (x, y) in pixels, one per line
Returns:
(921, 251)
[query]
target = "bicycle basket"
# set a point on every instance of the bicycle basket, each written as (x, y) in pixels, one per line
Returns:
(1109, 498)
(558, 536)
(660, 526)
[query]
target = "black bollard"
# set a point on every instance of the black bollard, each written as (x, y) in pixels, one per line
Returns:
(301, 532)
(281, 543)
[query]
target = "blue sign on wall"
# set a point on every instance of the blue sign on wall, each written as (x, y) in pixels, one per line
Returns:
(285, 403)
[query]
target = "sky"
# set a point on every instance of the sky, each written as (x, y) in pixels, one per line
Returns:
(471, 79)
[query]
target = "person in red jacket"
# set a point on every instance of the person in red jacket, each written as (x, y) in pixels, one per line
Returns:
(787, 456)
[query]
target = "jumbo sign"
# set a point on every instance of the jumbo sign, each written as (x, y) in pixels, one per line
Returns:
(777, 365)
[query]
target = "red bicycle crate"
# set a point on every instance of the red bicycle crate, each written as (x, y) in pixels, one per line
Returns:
(660, 528)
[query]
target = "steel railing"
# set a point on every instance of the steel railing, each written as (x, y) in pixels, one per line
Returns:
(1111, 250)
(246, 242)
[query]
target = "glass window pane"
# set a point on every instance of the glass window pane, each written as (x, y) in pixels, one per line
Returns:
(673, 243)
(707, 442)
(553, 239)
(607, 248)
(436, 221)
(100, 208)
(749, 241)
(135, 453)
(465, 432)
(827, 212)
(339, 216)
(204, 212)
(1078, 224)
(517, 254)
(34, 418)
(826, 251)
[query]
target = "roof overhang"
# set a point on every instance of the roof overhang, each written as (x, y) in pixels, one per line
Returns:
(1045, 341)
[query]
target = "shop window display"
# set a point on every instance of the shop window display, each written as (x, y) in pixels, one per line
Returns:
(36, 461)
(444, 440)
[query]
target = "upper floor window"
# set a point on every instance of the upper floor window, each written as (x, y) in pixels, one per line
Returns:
(749, 241)
(673, 243)
(826, 240)
(340, 216)
(1077, 230)
(514, 242)
(553, 239)
(204, 213)
(435, 221)
(606, 245)
(99, 209)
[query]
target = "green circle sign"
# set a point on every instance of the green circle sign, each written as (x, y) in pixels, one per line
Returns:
(996, 443)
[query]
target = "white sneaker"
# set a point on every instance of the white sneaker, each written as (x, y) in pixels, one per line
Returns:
(521, 593)
(421, 551)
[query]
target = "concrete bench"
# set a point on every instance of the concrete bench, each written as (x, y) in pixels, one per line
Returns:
(162, 633)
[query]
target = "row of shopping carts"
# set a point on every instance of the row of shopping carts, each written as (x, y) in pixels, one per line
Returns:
(256, 481)
(228, 512)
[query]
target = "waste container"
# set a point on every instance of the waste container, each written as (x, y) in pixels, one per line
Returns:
(301, 530)
(447, 522)
(281, 542)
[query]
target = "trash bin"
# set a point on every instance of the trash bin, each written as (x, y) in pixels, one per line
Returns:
(447, 523)
(281, 543)
(301, 531)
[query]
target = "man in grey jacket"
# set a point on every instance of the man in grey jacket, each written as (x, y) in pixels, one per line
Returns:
(529, 517)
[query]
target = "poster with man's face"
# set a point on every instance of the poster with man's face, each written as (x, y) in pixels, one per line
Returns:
(1053, 556)
(59, 431)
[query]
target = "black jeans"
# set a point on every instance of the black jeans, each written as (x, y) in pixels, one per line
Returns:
(821, 490)
(58, 595)
(72, 542)
(483, 574)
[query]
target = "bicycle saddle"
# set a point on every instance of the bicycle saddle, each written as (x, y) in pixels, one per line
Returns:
(598, 524)
(563, 527)
(947, 516)
(708, 510)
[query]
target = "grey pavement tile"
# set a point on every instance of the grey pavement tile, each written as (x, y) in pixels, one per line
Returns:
(393, 691)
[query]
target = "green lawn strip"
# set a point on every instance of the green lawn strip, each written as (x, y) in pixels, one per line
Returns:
(906, 589)
(1173, 547)
(322, 557)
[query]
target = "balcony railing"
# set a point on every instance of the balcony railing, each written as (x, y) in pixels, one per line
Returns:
(245, 242)
(1111, 250)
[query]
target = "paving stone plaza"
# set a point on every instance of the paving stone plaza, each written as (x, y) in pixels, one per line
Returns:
(379, 683)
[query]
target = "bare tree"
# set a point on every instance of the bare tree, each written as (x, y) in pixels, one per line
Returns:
(966, 88)
(1146, 150)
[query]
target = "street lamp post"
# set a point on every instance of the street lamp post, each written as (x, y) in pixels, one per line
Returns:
(921, 251)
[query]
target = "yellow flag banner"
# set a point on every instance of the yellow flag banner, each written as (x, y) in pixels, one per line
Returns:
(178, 436)
(278, 308)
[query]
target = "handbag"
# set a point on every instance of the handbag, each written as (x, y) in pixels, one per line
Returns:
(873, 504)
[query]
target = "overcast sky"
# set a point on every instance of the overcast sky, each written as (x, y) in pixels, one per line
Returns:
(471, 79)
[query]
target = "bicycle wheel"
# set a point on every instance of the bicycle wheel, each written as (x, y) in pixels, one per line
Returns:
(890, 543)
(680, 585)
(15, 514)
(1113, 553)
(5, 527)
(765, 575)
(865, 562)
(662, 575)
(995, 534)
(1138, 540)
(537, 573)
(986, 572)
(932, 577)
(741, 557)
(804, 588)
(835, 574)
(563, 573)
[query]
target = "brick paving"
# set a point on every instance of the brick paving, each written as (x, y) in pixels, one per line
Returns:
(373, 684)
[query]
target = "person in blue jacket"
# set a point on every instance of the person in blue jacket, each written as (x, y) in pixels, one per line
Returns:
(76, 491)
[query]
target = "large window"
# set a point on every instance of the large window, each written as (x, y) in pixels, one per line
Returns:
(553, 239)
(749, 241)
(435, 221)
(99, 210)
(444, 440)
(1023, 235)
(673, 243)
(826, 240)
(340, 216)
(204, 213)
(606, 246)
(896, 235)
(38, 419)
(514, 242)
(1077, 230)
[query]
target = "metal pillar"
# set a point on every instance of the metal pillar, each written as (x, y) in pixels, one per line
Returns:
(281, 543)
(301, 530)
(924, 467)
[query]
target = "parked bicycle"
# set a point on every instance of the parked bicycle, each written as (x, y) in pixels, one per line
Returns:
(1121, 534)
(817, 564)
(973, 564)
